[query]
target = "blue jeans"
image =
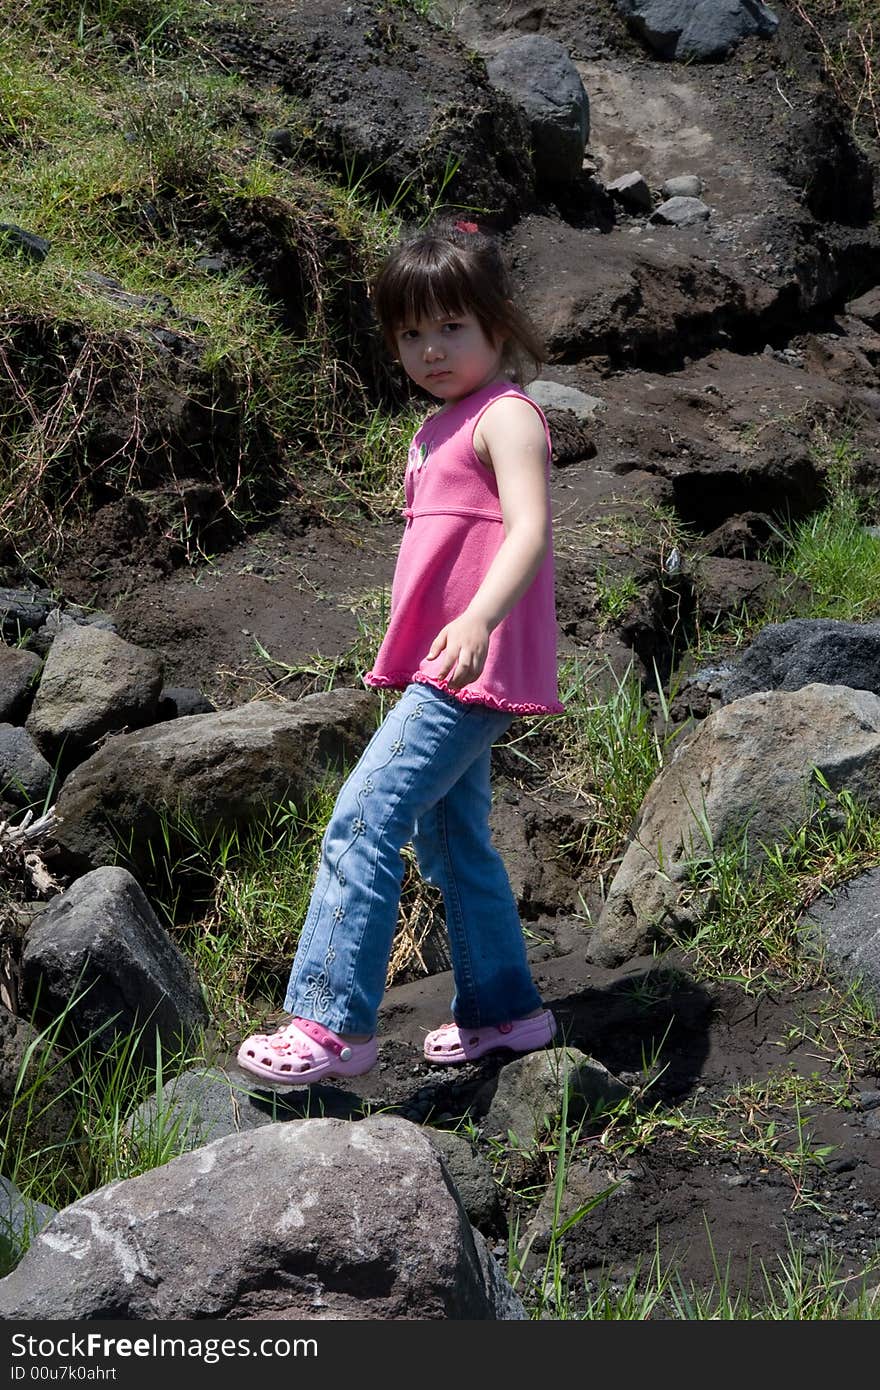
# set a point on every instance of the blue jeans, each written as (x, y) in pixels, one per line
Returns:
(424, 777)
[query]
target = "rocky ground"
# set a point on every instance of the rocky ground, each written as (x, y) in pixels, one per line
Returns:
(720, 358)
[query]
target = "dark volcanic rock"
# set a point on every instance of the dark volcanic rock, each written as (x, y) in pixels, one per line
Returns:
(788, 656)
(697, 30)
(99, 951)
(537, 74)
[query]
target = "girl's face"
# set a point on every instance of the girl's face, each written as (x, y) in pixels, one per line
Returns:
(450, 357)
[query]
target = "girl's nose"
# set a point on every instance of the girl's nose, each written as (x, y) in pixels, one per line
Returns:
(432, 352)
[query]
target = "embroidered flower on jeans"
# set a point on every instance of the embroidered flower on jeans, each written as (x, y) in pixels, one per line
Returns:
(358, 825)
(318, 993)
(340, 878)
(338, 914)
(397, 746)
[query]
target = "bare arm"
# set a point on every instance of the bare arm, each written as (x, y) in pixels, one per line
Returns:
(510, 438)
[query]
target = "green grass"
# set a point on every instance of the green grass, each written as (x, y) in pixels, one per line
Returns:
(71, 1126)
(235, 899)
(768, 1125)
(133, 171)
(615, 594)
(839, 559)
(795, 1289)
(606, 751)
(751, 897)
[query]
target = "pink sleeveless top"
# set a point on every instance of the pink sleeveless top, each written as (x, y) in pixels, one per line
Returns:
(454, 527)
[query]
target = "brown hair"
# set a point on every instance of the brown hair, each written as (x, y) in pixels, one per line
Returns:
(453, 267)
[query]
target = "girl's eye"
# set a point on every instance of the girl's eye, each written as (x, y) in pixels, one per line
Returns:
(451, 327)
(408, 334)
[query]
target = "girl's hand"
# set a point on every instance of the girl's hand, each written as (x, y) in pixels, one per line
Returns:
(464, 644)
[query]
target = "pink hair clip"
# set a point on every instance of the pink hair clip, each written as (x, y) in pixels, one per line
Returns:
(465, 226)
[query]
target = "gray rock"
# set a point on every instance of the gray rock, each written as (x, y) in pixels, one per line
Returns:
(59, 619)
(93, 684)
(682, 186)
(395, 95)
(322, 1219)
(632, 191)
(537, 73)
(530, 1090)
(746, 772)
(280, 142)
(176, 702)
(20, 1220)
(681, 212)
(552, 395)
(25, 776)
(804, 651)
(100, 949)
(224, 769)
(845, 924)
(23, 611)
(200, 1105)
(19, 670)
(473, 1180)
(699, 30)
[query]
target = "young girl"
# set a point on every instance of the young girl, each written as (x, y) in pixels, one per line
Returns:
(471, 642)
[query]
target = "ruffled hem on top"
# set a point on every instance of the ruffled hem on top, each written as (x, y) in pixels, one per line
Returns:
(466, 696)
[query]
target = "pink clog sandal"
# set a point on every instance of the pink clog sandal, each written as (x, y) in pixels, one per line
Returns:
(304, 1051)
(452, 1043)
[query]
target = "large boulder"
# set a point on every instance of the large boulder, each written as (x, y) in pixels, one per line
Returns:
(537, 73)
(93, 683)
(747, 771)
(807, 651)
(99, 952)
(215, 769)
(697, 30)
(308, 1219)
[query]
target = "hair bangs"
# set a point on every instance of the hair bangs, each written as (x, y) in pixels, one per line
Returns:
(427, 288)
